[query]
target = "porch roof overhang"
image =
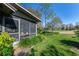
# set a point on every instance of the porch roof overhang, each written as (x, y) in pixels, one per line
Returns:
(10, 8)
(25, 11)
(6, 9)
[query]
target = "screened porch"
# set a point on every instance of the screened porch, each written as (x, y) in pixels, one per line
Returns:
(17, 27)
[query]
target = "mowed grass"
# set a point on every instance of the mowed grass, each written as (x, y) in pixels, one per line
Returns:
(71, 32)
(56, 45)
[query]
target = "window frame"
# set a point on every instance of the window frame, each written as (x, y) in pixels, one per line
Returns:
(16, 33)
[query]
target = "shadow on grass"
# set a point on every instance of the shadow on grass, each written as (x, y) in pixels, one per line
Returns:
(51, 51)
(70, 43)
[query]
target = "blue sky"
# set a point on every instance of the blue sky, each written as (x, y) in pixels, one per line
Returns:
(68, 12)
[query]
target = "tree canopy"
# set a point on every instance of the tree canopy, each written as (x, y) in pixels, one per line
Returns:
(35, 12)
(57, 20)
(47, 12)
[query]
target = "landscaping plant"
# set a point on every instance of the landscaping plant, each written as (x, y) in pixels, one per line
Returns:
(31, 41)
(6, 42)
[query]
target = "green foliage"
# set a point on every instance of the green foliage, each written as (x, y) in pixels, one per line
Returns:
(30, 41)
(51, 51)
(45, 5)
(50, 15)
(40, 28)
(6, 42)
(49, 33)
(36, 39)
(57, 20)
(32, 52)
(7, 51)
(49, 26)
(53, 45)
(47, 12)
(56, 23)
(35, 12)
(77, 33)
(55, 32)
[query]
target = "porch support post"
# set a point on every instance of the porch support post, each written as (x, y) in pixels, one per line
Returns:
(19, 29)
(29, 29)
(36, 29)
(3, 24)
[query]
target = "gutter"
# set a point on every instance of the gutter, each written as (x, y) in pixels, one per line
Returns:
(10, 7)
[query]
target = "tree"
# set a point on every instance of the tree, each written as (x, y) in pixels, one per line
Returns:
(56, 23)
(71, 27)
(47, 12)
(40, 27)
(35, 12)
(48, 26)
(77, 26)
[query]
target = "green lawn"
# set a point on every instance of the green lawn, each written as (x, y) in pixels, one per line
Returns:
(56, 45)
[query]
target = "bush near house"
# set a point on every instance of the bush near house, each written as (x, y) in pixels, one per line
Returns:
(6, 42)
(30, 41)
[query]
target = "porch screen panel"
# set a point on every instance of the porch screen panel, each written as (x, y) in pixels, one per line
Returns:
(15, 36)
(32, 28)
(11, 25)
(24, 28)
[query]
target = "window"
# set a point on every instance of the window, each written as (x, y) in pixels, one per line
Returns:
(11, 25)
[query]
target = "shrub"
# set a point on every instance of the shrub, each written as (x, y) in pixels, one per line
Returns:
(77, 33)
(6, 42)
(30, 41)
(7, 51)
(36, 39)
(24, 42)
(40, 30)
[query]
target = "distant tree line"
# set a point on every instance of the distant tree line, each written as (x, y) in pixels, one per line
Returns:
(55, 23)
